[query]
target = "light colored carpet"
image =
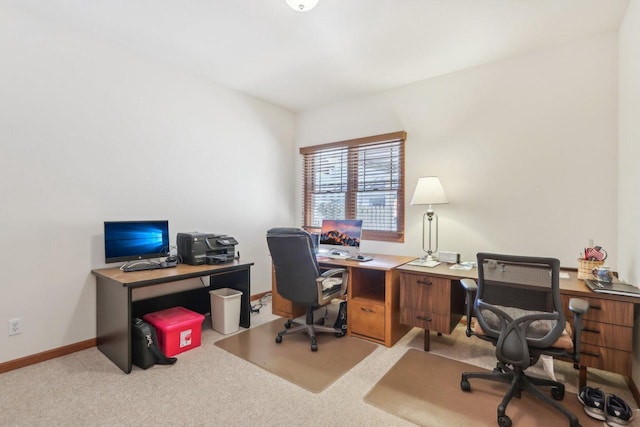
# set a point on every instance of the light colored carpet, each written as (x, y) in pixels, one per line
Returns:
(209, 386)
(425, 389)
(293, 359)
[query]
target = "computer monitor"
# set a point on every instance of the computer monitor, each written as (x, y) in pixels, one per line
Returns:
(337, 234)
(132, 240)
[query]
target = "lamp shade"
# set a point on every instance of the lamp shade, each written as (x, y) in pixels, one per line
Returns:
(302, 5)
(429, 191)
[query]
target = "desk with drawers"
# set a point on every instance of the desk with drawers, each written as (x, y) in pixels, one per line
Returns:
(433, 299)
(373, 292)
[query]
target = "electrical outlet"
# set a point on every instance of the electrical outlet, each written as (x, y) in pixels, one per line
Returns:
(15, 326)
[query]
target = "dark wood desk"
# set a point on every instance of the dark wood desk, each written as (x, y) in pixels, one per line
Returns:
(116, 307)
(432, 299)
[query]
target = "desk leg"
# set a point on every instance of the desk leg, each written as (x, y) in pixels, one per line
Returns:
(113, 322)
(582, 378)
(426, 340)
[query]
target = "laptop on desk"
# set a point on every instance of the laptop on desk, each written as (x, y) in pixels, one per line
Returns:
(612, 288)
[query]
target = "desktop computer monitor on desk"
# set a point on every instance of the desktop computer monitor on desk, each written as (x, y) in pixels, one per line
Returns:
(340, 238)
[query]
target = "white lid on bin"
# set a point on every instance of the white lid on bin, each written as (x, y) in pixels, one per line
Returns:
(226, 292)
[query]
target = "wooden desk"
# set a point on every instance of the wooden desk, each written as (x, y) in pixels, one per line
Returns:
(373, 292)
(116, 308)
(432, 299)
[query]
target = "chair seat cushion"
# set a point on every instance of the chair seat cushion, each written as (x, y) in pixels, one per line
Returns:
(537, 329)
(331, 282)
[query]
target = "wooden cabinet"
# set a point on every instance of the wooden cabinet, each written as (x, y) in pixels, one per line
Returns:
(281, 306)
(607, 335)
(431, 303)
(373, 295)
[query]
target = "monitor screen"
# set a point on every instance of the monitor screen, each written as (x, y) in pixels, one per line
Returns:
(130, 240)
(341, 232)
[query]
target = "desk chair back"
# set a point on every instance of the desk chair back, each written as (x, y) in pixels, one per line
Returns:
(295, 264)
(518, 286)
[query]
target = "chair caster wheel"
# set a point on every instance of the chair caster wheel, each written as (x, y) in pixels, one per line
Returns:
(287, 324)
(320, 321)
(504, 421)
(314, 347)
(278, 339)
(557, 392)
(465, 386)
(340, 334)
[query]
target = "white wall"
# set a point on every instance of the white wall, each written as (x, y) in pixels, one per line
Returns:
(90, 133)
(526, 149)
(629, 153)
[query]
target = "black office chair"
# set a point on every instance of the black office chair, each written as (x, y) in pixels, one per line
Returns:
(518, 308)
(299, 280)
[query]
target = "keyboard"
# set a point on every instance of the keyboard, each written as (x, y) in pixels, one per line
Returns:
(142, 266)
(337, 256)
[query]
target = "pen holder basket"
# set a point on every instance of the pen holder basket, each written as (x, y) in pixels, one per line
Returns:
(585, 266)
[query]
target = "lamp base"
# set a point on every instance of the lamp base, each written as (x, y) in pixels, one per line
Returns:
(427, 261)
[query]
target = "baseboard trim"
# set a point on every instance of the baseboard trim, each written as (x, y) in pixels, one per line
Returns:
(633, 389)
(47, 355)
(67, 349)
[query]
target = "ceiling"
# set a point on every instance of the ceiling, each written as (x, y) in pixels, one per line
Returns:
(339, 50)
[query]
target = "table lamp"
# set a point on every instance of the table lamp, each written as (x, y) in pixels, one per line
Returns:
(429, 191)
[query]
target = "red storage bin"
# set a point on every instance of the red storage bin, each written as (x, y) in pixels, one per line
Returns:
(178, 329)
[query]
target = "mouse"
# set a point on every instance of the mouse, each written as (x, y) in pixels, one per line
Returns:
(360, 257)
(335, 253)
(171, 259)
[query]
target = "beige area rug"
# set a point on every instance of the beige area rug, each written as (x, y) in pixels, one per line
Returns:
(424, 389)
(293, 359)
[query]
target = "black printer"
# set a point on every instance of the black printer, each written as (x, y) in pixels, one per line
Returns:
(205, 248)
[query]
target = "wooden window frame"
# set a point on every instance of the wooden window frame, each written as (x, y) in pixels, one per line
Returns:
(396, 236)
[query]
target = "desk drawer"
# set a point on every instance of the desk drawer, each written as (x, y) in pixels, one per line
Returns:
(366, 318)
(608, 359)
(425, 320)
(606, 335)
(425, 293)
(607, 311)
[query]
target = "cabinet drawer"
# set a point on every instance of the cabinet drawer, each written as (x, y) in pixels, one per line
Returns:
(608, 359)
(425, 293)
(607, 335)
(366, 318)
(607, 311)
(425, 320)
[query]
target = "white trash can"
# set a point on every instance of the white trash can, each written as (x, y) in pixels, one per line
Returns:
(225, 310)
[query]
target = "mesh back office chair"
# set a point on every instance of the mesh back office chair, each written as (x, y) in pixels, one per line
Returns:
(298, 279)
(518, 308)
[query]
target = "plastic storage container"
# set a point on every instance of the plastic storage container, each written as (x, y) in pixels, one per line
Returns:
(225, 310)
(178, 329)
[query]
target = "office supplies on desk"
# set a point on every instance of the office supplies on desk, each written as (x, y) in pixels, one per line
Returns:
(612, 288)
(146, 265)
(360, 258)
(425, 262)
(205, 248)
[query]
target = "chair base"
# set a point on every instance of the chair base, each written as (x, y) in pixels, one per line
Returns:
(520, 381)
(310, 327)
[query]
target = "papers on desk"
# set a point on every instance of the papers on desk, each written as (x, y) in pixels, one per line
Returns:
(463, 266)
(424, 263)
(564, 275)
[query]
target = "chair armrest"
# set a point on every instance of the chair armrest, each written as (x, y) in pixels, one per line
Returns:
(469, 285)
(324, 295)
(470, 288)
(578, 307)
(333, 272)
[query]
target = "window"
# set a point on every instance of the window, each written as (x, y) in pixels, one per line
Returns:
(357, 179)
